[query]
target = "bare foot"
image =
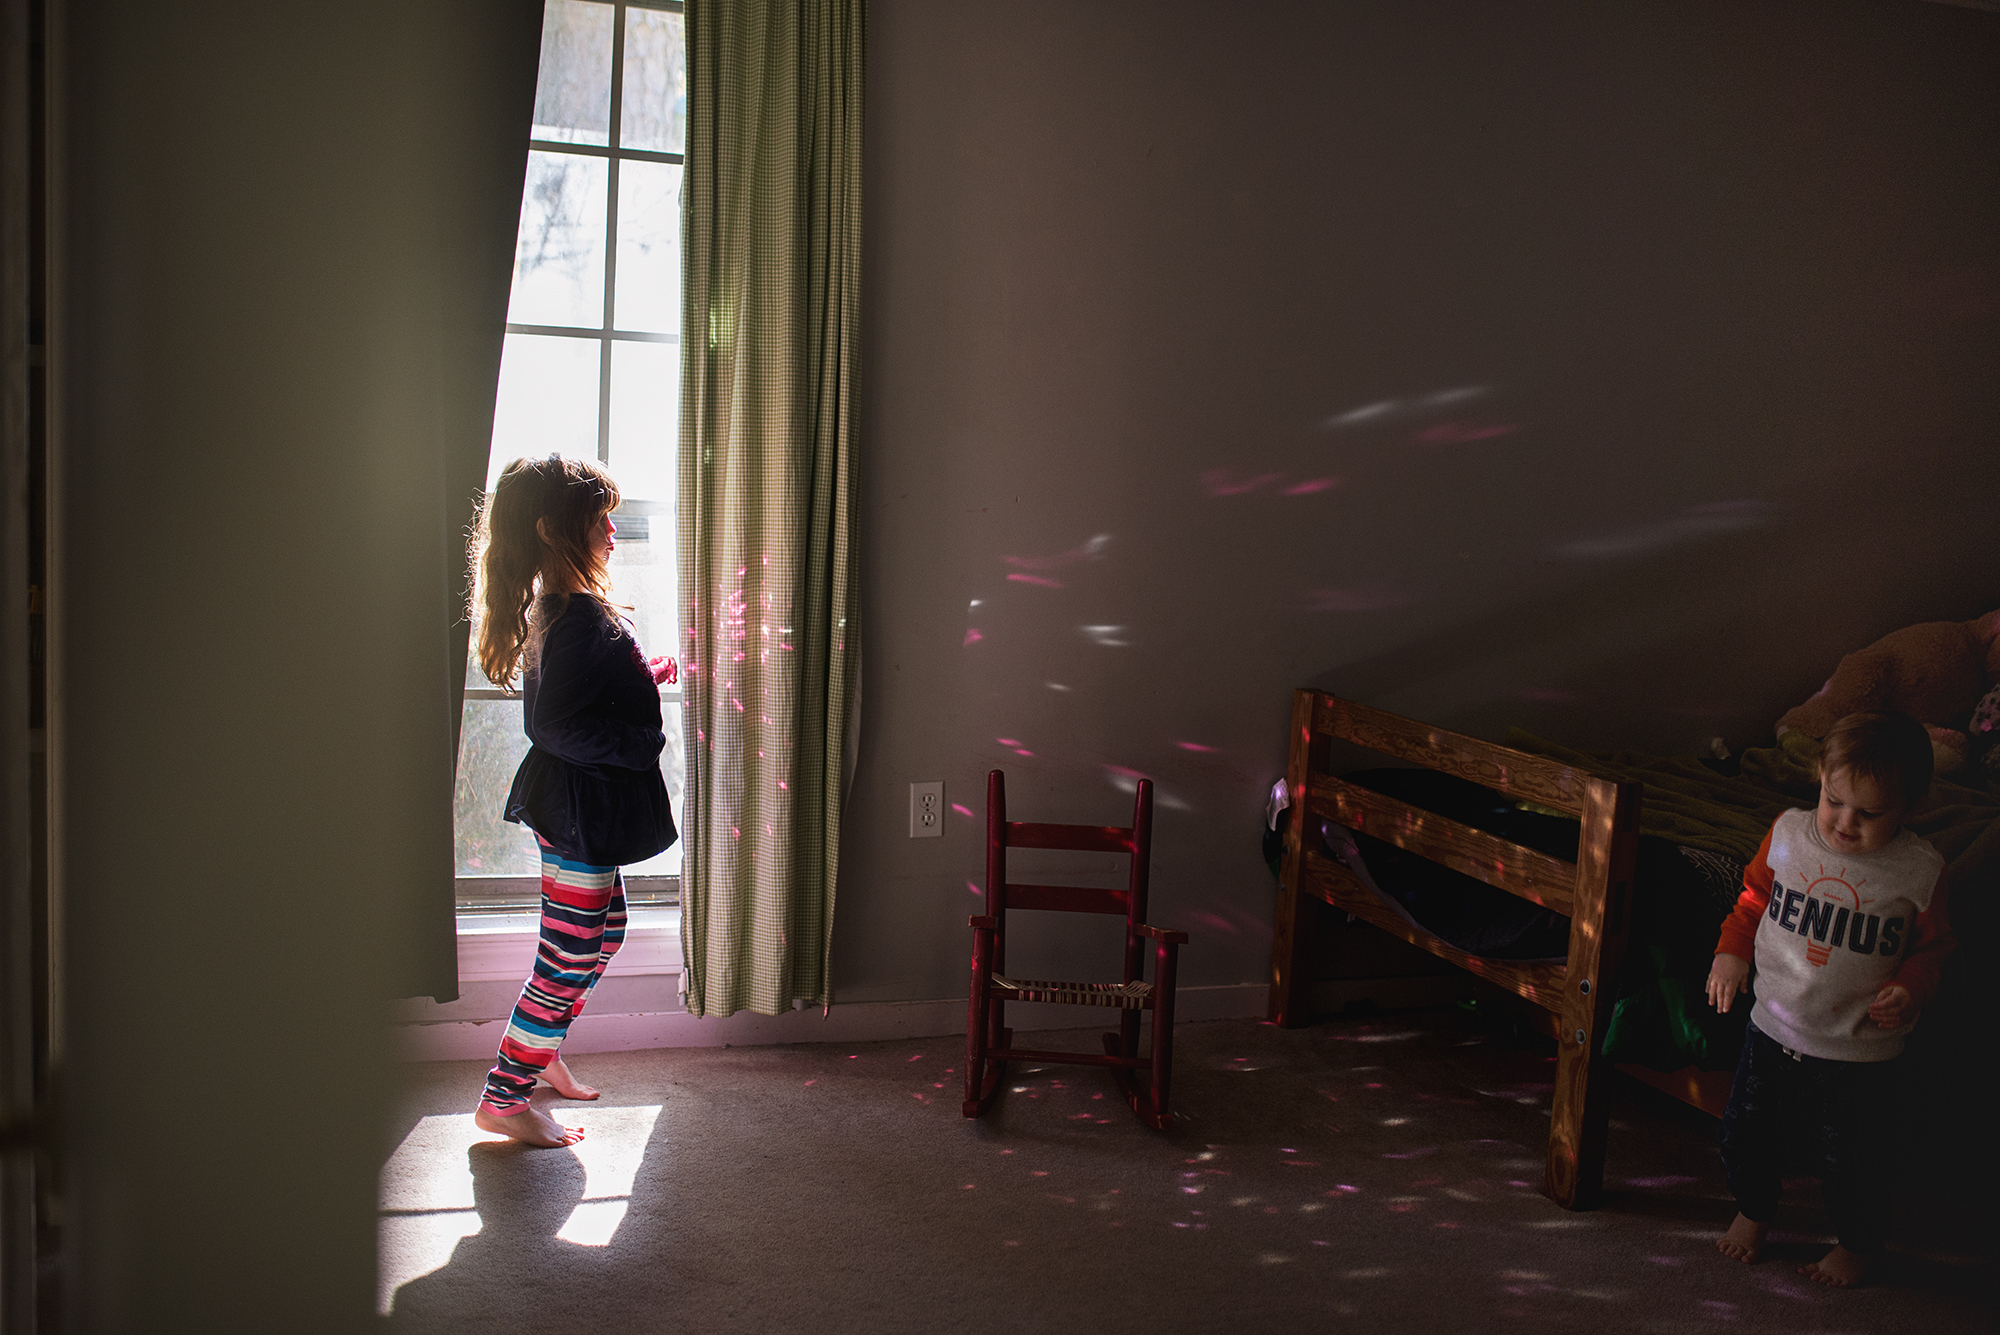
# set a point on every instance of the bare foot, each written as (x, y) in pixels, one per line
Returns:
(1838, 1269)
(530, 1126)
(566, 1084)
(1744, 1240)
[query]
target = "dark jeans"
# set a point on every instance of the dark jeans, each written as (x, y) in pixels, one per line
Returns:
(1833, 1116)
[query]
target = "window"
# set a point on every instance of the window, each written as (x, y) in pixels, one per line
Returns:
(592, 370)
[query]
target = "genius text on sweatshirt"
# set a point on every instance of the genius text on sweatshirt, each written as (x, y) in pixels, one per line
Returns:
(1826, 931)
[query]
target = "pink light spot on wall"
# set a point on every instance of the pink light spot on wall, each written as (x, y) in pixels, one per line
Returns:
(972, 637)
(1312, 485)
(1089, 550)
(1023, 751)
(1197, 746)
(1040, 581)
(961, 809)
(974, 888)
(1463, 433)
(1216, 922)
(1124, 773)
(1224, 482)
(1007, 741)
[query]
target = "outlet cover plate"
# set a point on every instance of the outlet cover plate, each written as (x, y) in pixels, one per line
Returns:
(927, 810)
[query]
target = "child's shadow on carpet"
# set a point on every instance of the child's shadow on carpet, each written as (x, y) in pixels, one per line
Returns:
(523, 1198)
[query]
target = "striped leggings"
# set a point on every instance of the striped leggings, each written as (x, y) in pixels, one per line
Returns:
(583, 924)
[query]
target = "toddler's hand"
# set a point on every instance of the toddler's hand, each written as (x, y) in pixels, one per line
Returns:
(1726, 978)
(665, 671)
(1894, 1007)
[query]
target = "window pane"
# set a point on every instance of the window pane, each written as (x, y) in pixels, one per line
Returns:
(649, 247)
(573, 89)
(645, 419)
(559, 252)
(655, 112)
(645, 411)
(547, 402)
(490, 748)
(643, 578)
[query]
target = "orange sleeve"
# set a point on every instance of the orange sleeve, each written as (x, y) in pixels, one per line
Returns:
(1930, 942)
(1739, 929)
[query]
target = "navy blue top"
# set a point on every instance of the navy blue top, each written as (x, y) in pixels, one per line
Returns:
(591, 783)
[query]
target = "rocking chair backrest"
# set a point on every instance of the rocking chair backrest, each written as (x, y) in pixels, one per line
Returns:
(1135, 841)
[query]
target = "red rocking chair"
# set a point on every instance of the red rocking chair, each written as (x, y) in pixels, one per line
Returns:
(989, 1044)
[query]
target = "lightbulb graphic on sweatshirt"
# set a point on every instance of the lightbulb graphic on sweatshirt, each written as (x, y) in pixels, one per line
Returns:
(1830, 903)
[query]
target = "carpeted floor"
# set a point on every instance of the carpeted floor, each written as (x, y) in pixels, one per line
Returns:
(1374, 1175)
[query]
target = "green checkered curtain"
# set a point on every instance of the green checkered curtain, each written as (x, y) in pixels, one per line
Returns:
(771, 222)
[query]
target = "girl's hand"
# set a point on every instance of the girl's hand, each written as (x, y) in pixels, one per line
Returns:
(1729, 975)
(1894, 1007)
(665, 671)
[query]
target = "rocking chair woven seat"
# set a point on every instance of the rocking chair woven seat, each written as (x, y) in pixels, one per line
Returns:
(1127, 996)
(988, 1040)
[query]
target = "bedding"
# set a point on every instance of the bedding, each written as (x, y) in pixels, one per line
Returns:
(1661, 1018)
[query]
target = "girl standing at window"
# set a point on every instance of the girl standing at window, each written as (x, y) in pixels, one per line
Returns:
(590, 787)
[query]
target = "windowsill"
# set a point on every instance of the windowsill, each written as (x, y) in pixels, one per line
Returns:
(498, 946)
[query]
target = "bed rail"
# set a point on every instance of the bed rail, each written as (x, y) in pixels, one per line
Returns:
(1515, 773)
(1594, 892)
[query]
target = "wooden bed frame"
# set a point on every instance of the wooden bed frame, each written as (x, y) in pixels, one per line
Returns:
(1571, 1001)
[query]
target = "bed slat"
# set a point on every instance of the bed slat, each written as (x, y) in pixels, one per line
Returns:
(1334, 883)
(1512, 772)
(1535, 877)
(1706, 1090)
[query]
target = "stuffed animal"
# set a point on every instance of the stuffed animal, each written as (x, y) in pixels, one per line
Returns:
(1935, 672)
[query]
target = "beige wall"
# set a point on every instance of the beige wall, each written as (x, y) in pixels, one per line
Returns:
(1727, 274)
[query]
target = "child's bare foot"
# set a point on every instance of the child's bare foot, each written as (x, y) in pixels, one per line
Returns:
(1838, 1269)
(566, 1084)
(530, 1126)
(1744, 1240)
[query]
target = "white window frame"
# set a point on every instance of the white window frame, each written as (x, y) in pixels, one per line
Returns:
(487, 895)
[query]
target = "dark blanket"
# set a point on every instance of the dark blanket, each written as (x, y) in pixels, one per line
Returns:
(1661, 1018)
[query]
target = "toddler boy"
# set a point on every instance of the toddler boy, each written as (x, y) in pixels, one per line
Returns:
(1843, 915)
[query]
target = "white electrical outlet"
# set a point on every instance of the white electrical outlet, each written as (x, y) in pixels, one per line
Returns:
(927, 810)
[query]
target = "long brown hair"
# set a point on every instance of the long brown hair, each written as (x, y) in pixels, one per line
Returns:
(531, 543)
